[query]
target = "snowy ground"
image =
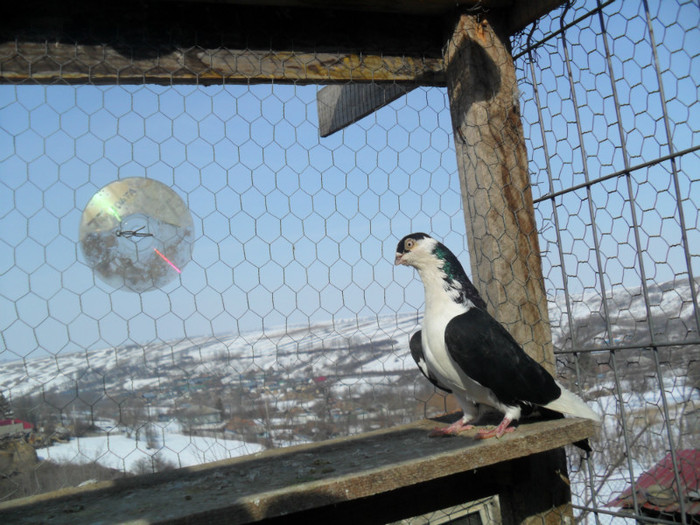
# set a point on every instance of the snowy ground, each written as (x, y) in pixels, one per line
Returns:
(118, 451)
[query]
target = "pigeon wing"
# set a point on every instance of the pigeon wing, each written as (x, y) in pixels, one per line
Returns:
(486, 352)
(416, 345)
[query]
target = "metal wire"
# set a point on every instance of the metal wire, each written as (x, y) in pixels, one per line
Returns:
(569, 128)
(291, 319)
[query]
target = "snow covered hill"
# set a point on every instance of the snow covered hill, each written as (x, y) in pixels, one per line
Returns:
(297, 384)
(625, 318)
(355, 352)
(377, 346)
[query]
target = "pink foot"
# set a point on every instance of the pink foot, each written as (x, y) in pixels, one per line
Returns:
(497, 432)
(454, 429)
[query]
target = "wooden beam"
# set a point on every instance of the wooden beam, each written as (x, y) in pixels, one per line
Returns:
(493, 170)
(385, 6)
(185, 42)
(342, 105)
(371, 478)
(103, 64)
(188, 42)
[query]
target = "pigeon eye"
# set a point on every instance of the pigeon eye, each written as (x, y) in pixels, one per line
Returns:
(409, 244)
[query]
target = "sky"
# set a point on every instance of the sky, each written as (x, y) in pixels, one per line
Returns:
(292, 229)
(585, 137)
(289, 228)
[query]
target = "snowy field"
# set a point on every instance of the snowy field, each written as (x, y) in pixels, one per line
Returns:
(118, 451)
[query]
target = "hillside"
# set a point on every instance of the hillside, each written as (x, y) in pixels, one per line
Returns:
(355, 352)
(350, 351)
(303, 383)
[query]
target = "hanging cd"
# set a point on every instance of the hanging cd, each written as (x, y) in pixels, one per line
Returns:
(136, 233)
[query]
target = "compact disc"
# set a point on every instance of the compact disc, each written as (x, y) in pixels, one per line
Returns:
(137, 233)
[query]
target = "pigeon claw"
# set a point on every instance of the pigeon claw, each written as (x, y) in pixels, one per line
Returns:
(497, 432)
(452, 430)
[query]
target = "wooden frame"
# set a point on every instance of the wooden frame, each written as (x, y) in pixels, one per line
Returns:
(352, 41)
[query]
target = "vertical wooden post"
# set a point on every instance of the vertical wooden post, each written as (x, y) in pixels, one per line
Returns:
(501, 230)
(493, 171)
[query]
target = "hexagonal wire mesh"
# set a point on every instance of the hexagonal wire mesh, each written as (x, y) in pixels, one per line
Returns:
(610, 111)
(290, 323)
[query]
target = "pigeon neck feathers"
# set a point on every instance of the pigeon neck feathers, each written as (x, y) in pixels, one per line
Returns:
(455, 280)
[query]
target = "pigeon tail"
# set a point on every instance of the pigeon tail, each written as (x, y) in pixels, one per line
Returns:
(569, 403)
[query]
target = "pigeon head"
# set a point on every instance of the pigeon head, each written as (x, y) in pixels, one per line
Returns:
(417, 250)
(423, 252)
(433, 259)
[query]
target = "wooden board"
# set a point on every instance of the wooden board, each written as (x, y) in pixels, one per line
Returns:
(190, 42)
(275, 483)
(506, 266)
(104, 65)
(340, 106)
(193, 42)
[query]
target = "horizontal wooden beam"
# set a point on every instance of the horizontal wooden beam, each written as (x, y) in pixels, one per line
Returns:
(189, 42)
(192, 42)
(335, 476)
(102, 64)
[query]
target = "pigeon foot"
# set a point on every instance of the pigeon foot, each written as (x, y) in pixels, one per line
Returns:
(497, 432)
(454, 429)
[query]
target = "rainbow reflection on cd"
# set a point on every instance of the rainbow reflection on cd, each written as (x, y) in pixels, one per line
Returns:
(137, 234)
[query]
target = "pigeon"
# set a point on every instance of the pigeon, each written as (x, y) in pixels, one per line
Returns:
(462, 349)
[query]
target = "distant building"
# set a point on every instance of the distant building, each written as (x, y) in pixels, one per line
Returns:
(242, 427)
(14, 426)
(657, 494)
(199, 416)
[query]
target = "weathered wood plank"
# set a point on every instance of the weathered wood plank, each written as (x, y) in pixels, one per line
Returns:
(175, 42)
(102, 64)
(187, 42)
(299, 479)
(341, 105)
(493, 169)
(385, 6)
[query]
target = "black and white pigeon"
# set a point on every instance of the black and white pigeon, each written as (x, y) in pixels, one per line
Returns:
(463, 349)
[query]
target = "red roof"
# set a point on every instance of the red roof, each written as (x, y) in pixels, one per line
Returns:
(25, 424)
(656, 488)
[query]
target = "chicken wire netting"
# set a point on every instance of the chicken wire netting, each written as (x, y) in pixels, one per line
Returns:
(610, 109)
(290, 324)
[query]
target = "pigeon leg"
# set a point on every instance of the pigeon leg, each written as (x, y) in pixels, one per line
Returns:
(497, 432)
(470, 412)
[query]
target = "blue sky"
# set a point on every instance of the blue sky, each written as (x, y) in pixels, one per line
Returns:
(294, 229)
(603, 144)
(289, 228)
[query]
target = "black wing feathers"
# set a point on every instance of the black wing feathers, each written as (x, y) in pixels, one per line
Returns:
(487, 353)
(416, 346)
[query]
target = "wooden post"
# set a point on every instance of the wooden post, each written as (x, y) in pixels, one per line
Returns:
(493, 171)
(501, 230)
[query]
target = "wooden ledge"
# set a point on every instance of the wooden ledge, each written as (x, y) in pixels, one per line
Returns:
(340, 475)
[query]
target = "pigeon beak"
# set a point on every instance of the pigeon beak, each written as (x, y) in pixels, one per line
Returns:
(399, 259)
